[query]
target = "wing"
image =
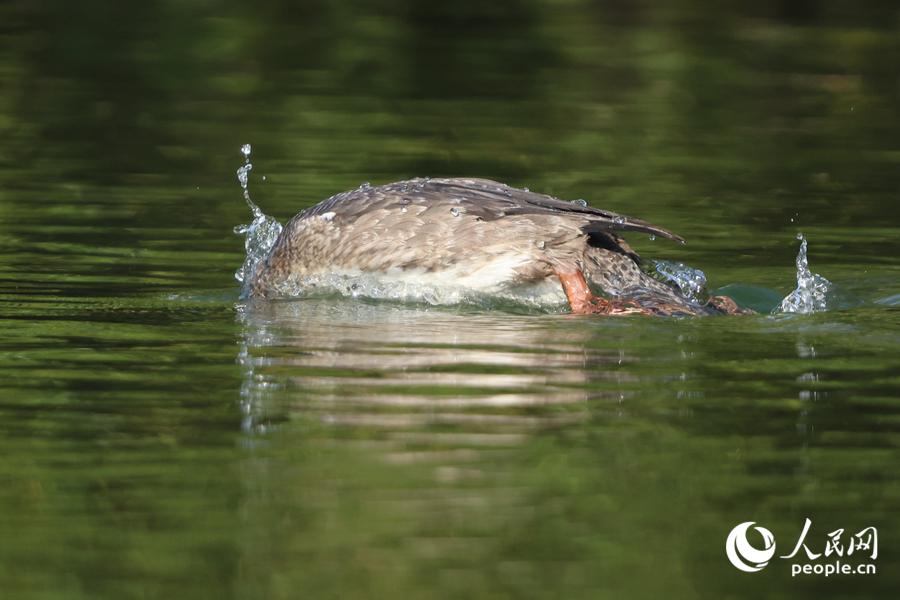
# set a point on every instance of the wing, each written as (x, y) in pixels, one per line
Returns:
(482, 198)
(497, 201)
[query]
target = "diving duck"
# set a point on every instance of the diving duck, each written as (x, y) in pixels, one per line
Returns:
(475, 234)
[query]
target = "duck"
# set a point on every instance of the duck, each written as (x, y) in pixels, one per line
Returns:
(475, 234)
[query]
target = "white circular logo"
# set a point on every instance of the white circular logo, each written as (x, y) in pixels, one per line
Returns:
(740, 552)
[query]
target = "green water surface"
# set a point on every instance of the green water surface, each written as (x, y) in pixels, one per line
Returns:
(160, 438)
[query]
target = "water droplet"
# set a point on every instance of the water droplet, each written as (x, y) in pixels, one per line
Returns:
(526, 189)
(541, 244)
(454, 212)
(620, 220)
(799, 236)
(246, 150)
(580, 202)
(365, 185)
(403, 210)
(264, 177)
(242, 174)
(652, 238)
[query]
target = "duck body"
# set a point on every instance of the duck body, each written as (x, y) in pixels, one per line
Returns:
(471, 234)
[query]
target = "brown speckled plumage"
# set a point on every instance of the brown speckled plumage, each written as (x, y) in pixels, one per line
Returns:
(477, 232)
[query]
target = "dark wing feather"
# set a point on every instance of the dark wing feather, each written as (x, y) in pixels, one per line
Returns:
(499, 200)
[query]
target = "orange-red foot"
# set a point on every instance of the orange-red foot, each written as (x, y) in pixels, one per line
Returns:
(583, 302)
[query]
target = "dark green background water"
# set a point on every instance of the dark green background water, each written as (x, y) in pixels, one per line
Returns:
(160, 439)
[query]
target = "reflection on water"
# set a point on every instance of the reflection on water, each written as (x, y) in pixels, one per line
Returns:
(420, 420)
(476, 453)
(348, 357)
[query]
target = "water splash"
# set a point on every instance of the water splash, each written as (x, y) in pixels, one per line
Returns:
(691, 282)
(813, 290)
(260, 235)
(546, 294)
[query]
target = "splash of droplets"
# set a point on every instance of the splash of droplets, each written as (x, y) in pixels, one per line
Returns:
(691, 282)
(243, 179)
(260, 235)
(811, 295)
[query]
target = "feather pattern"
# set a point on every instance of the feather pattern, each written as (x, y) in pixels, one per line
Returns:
(470, 233)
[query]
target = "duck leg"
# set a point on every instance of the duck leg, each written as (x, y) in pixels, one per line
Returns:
(583, 302)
